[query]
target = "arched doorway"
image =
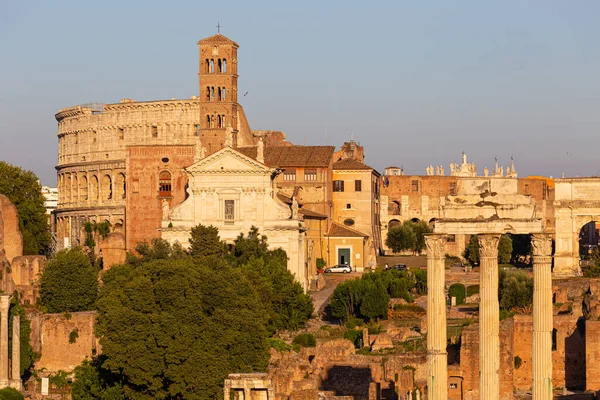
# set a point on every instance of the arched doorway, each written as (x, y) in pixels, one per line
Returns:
(588, 239)
(393, 223)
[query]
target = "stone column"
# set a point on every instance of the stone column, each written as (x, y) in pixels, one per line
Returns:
(15, 381)
(437, 357)
(542, 317)
(489, 318)
(4, 306)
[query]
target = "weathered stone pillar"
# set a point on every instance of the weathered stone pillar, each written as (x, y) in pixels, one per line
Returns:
(489, 318)
(437, 357)
(4, 306)
(542, 317)
(15, 380)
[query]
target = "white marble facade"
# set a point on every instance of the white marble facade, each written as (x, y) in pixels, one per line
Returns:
(234, 192)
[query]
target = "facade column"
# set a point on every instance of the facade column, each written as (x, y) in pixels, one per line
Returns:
(15, 381)
(489, 318)
(4, 306)
(542, 317)
(437, 357)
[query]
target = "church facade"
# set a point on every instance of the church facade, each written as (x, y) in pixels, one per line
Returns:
(234, 192)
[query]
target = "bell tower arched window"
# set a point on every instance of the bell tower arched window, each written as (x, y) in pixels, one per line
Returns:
(224, 65)
(164, 184)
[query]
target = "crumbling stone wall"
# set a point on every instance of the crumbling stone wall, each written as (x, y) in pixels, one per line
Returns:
(64, 340)
(11, 239)
(592, 364)
(113, 250)
(26, 273)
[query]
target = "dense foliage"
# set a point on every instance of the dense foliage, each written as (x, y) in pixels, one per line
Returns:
(408, 236)
(368, 297)
(205, 242)
(173, 325)
(9, 393)
(23, 189)
(69, 282)
(515, 289)
(505, 249)
(457, 290)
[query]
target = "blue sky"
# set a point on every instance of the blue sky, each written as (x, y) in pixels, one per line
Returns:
(416, 83)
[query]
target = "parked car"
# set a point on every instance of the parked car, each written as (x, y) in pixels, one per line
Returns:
(339, 268)
(400, 267)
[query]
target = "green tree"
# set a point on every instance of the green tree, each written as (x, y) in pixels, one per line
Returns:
(401, 238)
(158, 249)
(175, 328)
(457, 290)
(420, 229)
(23, 189)
(505, 249)
(246, 247)
(515, 289)
(69, 282)
(92, 382)
(472, 250)
(10, 394)
(205, 241)
(375, 301)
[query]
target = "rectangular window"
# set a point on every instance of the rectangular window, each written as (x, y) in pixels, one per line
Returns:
(310, 175)
(338, 186)
(289, 175)
(415, 186)
(452, 188)
(357, 186)
(544, 190)
(229, 211)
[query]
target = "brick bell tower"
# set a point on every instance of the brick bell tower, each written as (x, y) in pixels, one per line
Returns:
(218, 92)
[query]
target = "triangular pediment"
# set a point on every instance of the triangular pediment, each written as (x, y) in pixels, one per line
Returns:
(228, 160)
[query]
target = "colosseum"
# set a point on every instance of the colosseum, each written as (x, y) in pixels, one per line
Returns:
(95, 140)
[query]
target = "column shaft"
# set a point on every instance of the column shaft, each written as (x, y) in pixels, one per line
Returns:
(489, 318)
(4, 306)
(542, 317)
(16, 353)
(437, 357)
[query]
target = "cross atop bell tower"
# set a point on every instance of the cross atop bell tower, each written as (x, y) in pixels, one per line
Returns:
(219, 108)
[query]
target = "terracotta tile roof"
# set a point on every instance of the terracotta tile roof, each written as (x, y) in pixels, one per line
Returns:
(339, 230)
(293, 156)
(311, 214)
(217, 39)
(349, 163)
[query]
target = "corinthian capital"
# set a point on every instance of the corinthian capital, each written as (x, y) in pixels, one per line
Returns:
(436, 245)
(541, 244)
(488, 245)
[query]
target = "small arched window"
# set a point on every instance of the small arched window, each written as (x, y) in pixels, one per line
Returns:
(212, 93)
(164, 184)
(223, 93)
(220, 66)
(220, 90)
(212, 67)
(208, 121)
(224, 65)
(220, 122)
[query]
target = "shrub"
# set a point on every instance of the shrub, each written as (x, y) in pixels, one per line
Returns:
(409, 307)
(355, 336)
(457, 290)
(10, 394)
(279, 345)
(69, 283)
(471, 290)
(305, 340)
(321, 264)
